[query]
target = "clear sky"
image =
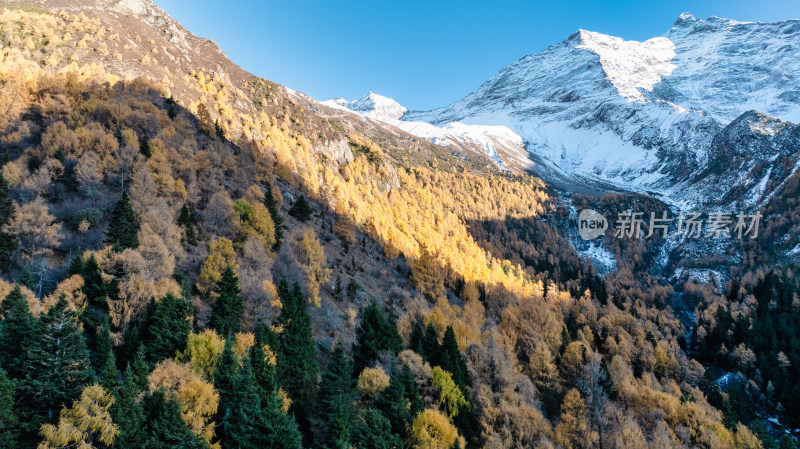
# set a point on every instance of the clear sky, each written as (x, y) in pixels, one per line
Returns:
(424, 54)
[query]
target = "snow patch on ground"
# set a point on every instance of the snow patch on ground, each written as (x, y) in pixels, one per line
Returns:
(602, 259)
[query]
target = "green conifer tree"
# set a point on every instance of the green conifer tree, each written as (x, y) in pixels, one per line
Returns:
(93, 286)
(374, 431)
(18, 331)
(280, 429)
(431, 349)
(335, 398)
(168, 329)
(104, 347)
(275, 214)
(301, 210)
(226, 313)
(243, 426)
(186, 220)
(140, 368)
(297, 365)
(164, 425)
(417, 334)
(454, 363)
(26, 278)
(225, 377)
(127, 413)
(376, 333)
(8, 241)
(172, 110)
(57, 367)
(8, 417)
(122, 231)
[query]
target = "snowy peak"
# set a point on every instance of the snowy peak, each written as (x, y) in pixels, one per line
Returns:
(371, 105)
(630, 65)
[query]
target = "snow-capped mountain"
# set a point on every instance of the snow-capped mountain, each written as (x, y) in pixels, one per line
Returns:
(643, 116)
(501, 144)
(371, 105)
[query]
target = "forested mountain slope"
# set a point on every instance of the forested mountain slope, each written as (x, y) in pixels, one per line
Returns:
(191, 257)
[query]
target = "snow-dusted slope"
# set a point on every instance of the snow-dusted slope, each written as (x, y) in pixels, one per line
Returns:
(501, 144)
(371, 105)
(638, 115)
(726, 68)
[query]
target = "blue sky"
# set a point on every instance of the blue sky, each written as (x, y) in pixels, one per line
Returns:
(424, 54)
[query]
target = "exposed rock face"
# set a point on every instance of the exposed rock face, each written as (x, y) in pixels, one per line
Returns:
(336, 150)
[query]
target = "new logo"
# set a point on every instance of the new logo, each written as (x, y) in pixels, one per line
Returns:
(591, 224)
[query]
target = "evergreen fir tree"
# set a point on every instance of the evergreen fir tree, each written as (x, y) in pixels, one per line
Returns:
(280, 429)
(565, 339)
(226, 313)
(172, 110)
(264, 369)
(164, 426)
(301, 210)
(431, 349)
(6, 204)
(219, 131)
(57, 367)
(94, 315)
(8, 418)
(108, 373)
(339, 428)
(710, 388)
(399, 403)
(18, 331)
(93, 286)
(787, 442)
(336, 396)
(186, 220)
(8, 242)
(127, 413)
(140, 368)
(417, 334)
(264, 372)
(243, 426)
(104, 347)
(374, 431)
(376, 333)
(275, 214)
(144, 147)
(168, 329)
(297, 365)
(730, 418)
(225, 377)
(336, 384)
(123, 229)
(26, 278)
(454, 363)
(76, 265)
(411, 390)
(606, 381)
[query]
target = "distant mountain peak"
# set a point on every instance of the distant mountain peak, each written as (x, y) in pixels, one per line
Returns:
(630, 65)
(371, 105)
